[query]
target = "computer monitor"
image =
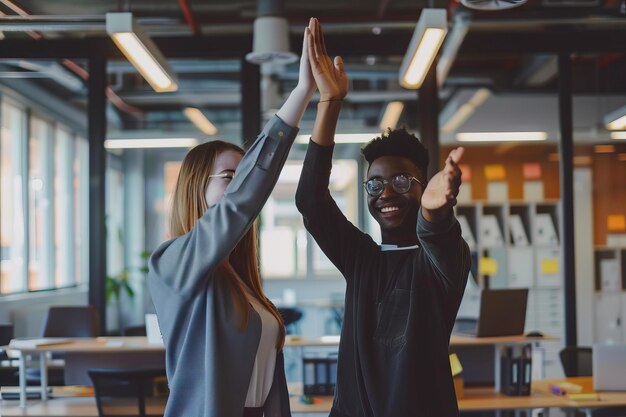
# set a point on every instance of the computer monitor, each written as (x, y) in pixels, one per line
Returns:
(609, 367)
(502, 313)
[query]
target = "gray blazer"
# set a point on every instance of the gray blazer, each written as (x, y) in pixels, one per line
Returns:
(209, 360)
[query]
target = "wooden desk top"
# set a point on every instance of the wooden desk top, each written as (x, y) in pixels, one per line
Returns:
(455, 340)
(98, 344)
(605, 398)
(475, 399)
(140, 343)
(460, 340)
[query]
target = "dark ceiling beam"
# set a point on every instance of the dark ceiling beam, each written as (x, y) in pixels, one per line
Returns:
(215, 47)
(349, 44)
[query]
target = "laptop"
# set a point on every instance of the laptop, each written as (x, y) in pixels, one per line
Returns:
(609, 367)
(502, 313)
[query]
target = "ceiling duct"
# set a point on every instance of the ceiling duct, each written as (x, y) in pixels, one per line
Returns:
(271, 35)
(492, 5)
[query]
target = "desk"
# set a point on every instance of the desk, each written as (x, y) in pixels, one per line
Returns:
(498, 343)
(140, 345)
(475, 399)
(605, 398)
(77, 346)
(455, 340)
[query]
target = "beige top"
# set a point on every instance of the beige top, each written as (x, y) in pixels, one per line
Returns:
(265, 360)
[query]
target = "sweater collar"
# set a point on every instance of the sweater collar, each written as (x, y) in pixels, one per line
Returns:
(387, 247)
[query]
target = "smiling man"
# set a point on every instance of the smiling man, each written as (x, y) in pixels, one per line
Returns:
(402, 296)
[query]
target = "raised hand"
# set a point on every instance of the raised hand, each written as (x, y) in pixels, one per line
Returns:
(305, 77)
(330, 77)
(440, 194)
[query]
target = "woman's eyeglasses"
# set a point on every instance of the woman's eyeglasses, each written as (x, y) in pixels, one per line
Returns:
(401, 184)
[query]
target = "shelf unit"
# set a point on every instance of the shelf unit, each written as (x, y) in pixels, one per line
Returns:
(610, 296)
(518, 245)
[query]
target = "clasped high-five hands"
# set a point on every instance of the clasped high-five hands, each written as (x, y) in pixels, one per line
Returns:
(330, 76)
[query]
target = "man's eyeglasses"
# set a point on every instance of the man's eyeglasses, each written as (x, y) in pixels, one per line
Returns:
(401, 184)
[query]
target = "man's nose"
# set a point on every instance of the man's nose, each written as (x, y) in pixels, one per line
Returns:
(388, 192)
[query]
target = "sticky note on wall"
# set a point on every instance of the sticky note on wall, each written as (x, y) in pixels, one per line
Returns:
(531, 171)
(487, 266)
(466, 172)
(550, 266)
(616, 223)
(495, 172)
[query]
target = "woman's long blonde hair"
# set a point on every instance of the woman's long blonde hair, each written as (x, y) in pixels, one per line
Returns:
(189, 204)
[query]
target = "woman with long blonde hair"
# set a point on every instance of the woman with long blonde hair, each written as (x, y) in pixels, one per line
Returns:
(223, 337)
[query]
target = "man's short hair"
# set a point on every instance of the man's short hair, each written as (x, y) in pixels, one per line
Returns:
(397, 142)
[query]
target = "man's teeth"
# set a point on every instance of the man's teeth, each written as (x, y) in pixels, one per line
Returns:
(388, 209)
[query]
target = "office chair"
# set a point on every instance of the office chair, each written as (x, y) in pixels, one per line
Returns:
(135, 330)
(577, 361)
(129, 392)
(291, 316)
(6, 334)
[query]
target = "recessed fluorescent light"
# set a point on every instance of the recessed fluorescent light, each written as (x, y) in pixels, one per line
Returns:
(428, 36)
(450, 49)
(501, 136)
(465, 111)
(616, 120)
(150, 143)
(200, 120)
(618, 135)
(344, 137)
(392, 114)
(604, 148)
(141, 51)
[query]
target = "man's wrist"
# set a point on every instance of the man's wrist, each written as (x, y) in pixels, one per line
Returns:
(437, 215)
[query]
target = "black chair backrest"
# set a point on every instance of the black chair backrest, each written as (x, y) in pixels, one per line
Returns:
(72, 321)
(576, 361)
(129, 392)
(6, 334)
(135, 330)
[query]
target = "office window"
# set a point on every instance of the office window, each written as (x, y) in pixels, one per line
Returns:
(115, 215)
(13, 249)
(81, 207)
(285, 245)
(63, 208)
(40, 197)
(170, 176)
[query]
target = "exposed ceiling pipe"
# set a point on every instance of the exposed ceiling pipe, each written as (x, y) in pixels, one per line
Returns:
(53, 71)
(74, 67)
(189, 17)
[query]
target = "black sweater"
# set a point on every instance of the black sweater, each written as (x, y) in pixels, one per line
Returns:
(400, 306)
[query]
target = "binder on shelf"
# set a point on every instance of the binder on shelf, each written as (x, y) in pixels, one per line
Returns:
(525, 368)
(466, 231)
(308, 377)
(516, 371)
(491, 234)
(545, 231)
(509, 373)
(319, 375)
(518, 232)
